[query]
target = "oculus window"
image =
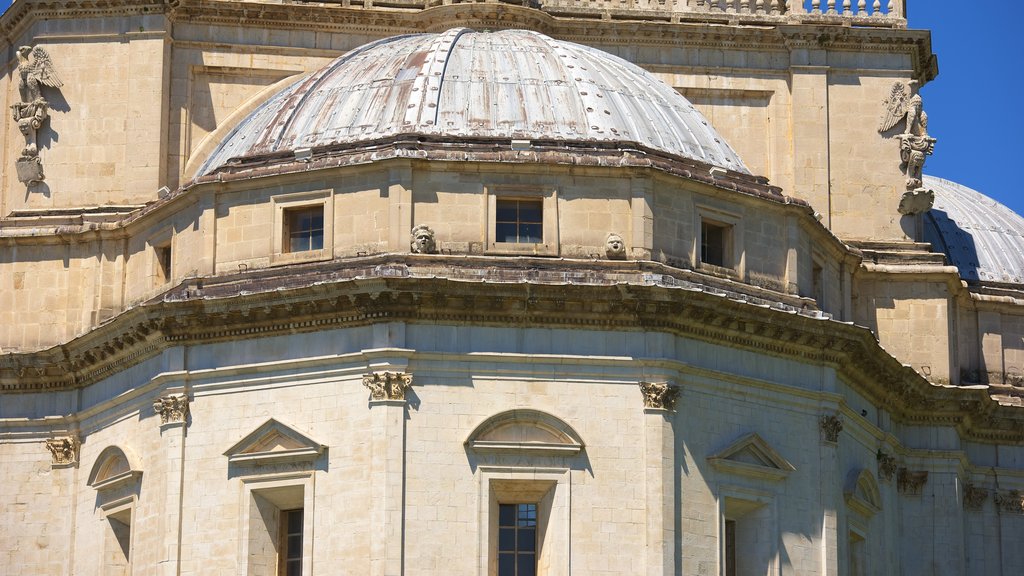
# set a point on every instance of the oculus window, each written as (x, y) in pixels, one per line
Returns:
(519, 221)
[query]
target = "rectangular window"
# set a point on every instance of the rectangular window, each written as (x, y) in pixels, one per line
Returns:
(519, 221)
(290, 543)
(162, 255)
(304, 229)
(818, 284)
(715, 243)
(117, 542)
(730, 548)
(517, 539)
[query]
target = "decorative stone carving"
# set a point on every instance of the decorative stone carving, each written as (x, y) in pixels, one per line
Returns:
(1012, 501)
(915, 145)
(831, 426)
(423, 241)
(909, 482)
(172, 408)
(63, 450)
(615, 247)
(35, 70)
(886, 465)
(974, 497)
(659, 395)
(388, 385)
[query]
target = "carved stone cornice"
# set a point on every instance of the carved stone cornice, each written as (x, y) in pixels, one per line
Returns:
(173, 408)
(831, 425)
(63, 450)
(387, 385)
(1011, 501)
(886, 465)
(911, 482)
(495, 291)
(974, 497)
(659, 395)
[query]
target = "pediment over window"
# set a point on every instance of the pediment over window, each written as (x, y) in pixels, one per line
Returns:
(113, 468)
(525, 432)
(862, 493)
(752, 456)
(273, 443)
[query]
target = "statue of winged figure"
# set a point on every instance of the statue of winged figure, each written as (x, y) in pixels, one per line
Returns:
(35, 69)
(915, 144)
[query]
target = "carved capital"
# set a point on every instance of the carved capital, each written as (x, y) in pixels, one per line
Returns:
(172, 408)
(1012, 501)
(831, 426)
(911, 482)
(659, 395)
(974, 497)
(63, 450)
(387, 385)
(886, 465)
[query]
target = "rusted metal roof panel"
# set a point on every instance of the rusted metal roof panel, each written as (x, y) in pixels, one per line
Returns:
(508, 84)
(981, 237)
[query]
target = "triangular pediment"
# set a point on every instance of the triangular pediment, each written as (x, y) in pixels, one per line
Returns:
(752, 456)
(274, 442)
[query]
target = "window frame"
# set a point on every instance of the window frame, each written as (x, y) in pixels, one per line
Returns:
(733, 263)
(160, 273)
(548, 197)
(283, 205)
(750, 510)
(286, 492)
(550, 489)
(121, 511)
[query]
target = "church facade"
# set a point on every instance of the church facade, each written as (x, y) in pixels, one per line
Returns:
(420, 287)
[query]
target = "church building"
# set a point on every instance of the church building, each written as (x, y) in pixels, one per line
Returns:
(497, 288)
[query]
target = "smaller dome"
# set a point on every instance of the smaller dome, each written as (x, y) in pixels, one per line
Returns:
(463, 84)
(981, 237)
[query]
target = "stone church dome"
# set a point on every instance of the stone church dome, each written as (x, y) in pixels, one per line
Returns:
(513, 84)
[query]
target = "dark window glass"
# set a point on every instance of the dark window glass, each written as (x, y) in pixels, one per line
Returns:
(519, 221)
(713, 240)
(517, 539)
(305, 229)
(291, 542)
(730, 548)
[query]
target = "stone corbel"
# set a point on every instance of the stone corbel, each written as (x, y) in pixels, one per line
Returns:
(659, 395)
(63, 450)
(911, 482)
(831, 425)
(173, 408)
(387, 385)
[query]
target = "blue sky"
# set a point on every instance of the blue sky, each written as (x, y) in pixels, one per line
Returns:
(972, 106)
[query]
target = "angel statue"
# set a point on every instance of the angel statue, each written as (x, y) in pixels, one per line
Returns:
(35, 70)
(915, 144)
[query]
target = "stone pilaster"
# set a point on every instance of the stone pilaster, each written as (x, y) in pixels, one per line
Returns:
(387, 470)
(659, 477)
(173, 411)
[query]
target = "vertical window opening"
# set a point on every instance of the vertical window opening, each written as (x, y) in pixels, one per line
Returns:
(290, 544)
(714, 243)
(162, 271)
(304, 229)
(517, 539)
(519, 221)
(730, 548)
(817, 284)
(117, 545)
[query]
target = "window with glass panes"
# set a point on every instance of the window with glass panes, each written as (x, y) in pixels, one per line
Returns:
(517, 539)
(519, 221)
(304, 229)
(290, 549)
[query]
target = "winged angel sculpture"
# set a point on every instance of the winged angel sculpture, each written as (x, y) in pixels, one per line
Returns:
(35, 70)
(915, 144)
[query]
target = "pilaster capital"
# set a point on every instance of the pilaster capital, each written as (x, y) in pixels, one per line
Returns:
(63, 450)
(172, 408)
(659, 395)
(387, 385)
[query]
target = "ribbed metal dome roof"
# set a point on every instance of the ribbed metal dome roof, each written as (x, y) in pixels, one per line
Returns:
(461, 83)
(981, 237)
